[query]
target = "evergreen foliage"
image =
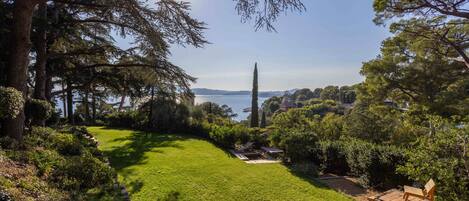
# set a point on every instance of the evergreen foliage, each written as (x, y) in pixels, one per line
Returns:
(263, 120)
(254, 103)
(38, 110)
(11, 102)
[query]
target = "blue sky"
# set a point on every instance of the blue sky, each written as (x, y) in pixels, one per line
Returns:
(326, 45)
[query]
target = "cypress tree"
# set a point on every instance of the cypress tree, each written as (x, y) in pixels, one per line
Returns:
(254, 105)
(263, 121)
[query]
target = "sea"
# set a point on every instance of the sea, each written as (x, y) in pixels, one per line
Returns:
(236, 102)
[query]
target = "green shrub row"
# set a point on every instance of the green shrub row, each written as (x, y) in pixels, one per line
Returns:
(375, 165)
(228, 136)
(131, 119)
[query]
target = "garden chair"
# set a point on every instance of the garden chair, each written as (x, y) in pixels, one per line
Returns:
(427, 193)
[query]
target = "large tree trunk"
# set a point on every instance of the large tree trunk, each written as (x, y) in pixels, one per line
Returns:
(41, 59)
(93, 105)
(121, 104)
(71, 119)
(86, 105)
(19, 60)
(49, 87)
(64, 99)
(150, 110)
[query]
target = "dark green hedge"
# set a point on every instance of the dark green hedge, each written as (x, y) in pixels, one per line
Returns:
(374, 164)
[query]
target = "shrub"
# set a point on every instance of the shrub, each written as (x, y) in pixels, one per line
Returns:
(82, 172)
(67, 144)
(259, 136)
(299, 145)
(332, 157)
(39, 136)
(167, 115)
(11, 102)
(128, 119)
(375, 165)
(38, 110)
(46, 160)
(223, 136)
(228, 135)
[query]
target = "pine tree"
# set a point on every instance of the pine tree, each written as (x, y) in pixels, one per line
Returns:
(263, 120)
(254, 105)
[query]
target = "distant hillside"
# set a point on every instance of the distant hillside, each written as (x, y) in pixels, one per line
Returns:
(205, 91)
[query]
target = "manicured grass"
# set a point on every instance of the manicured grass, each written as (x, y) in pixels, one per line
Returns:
(152, 166)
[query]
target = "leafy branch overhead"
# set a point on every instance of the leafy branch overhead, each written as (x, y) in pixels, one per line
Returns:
(442, 21)
(266, 12)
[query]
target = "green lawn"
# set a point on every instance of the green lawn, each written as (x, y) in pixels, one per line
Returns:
(155, 165)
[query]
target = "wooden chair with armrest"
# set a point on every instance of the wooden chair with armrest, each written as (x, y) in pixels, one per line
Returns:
(427, 193)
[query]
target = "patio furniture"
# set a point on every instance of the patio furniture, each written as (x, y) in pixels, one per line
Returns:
(239, 155)
(427, 193)
(409, 194)
(247, 146)
(272, 150)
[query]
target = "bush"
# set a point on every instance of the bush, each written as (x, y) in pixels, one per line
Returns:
(332, 157)
(298, 145)
(132, 119)
(65, 160)
(259, 136)
(11, 102)
(39, 137)
(229, 135)
(67, 145)
(375, 165)
(46, 160)
(82, 172)
(38, 110)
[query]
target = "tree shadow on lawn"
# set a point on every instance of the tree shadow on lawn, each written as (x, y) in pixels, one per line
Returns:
(133, 148)
(308, 174)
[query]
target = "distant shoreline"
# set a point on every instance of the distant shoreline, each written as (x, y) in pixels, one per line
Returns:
(212, 92)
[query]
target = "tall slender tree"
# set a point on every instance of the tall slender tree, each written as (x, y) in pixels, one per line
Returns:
(254, 104)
